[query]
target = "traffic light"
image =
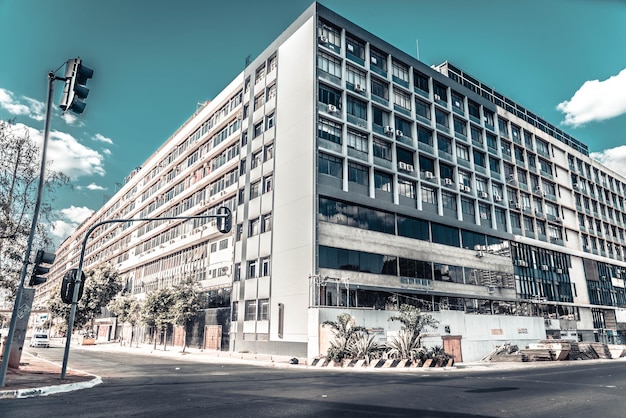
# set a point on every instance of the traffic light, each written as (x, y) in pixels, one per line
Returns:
(225, 220)
(42, 257)
(76, 76)
(69, 283)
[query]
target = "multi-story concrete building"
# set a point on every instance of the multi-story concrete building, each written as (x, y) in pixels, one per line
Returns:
(360, 179)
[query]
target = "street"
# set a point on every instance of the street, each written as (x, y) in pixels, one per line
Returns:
(140, 385)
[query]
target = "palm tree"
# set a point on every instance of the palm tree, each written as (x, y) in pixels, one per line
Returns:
(345, 332)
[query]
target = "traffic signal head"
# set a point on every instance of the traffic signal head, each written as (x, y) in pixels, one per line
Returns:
(75, 90)
(224, 220)
(69, 283)
(42, 257)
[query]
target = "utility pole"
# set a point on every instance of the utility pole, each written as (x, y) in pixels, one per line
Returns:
(31, 235)
(76, 76)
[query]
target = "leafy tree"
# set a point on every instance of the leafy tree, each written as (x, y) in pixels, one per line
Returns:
(345, 333)
(127, 309)
(19, 175)
(186, 305)
(157, 311)
(413, 323)
(102, 283)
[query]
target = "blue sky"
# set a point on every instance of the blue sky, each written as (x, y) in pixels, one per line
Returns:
(155, 60)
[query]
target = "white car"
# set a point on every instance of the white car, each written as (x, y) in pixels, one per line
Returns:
(40, 340)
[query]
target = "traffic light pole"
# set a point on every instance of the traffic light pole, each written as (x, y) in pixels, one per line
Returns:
(33, 227)
(223, 213)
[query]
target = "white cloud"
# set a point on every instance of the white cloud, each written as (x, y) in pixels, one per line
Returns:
(71, 218)
(102, 138)
(67, 155)
(32, 108)
(71, 119)
(596, 101)
(614, 158)
(94, 186)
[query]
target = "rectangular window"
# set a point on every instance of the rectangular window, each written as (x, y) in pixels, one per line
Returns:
(383, 181)
(258, 101)
(357, 141)
(329, 96)
(269, 121)
(252, 269)
(400, 73)
(265, 266)
(253, 228)
(378, 61)
(406, 188)
(382, 149)
(401, 99)
(264, 310)
(358, 173)
(330, 165)
(250, 313)
(461, 152)
(429, 195)
(258, 129)
(357, 108)
(380, 89)
(422, 109)
(329, 130)
(329, 64)
(355, 77)
(448, 200)
(441, 118)
(255, 189)
(421, 82)
(268, 183)
(266, 222)
(355, 48)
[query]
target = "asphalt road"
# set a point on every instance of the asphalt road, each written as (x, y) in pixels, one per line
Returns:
(136, 385)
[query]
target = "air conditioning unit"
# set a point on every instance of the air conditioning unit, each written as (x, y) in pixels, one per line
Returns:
(518, 206)
(576, 185)
(558, 220)
(399, 133)
(497, 198)
(332, 108)
(491, 289)
(437, 97)
(388, 129)
(484, 195)
(429, 175)
(545, 267)
(323, 39)
(402, 165)
(359, 88)
(448, 182)
(409, 167)
(466, 189)
(522, 263)
(483, 215)
(558, 271)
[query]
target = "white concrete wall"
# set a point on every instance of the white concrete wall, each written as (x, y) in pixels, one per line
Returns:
(294, 178)
(480, 333)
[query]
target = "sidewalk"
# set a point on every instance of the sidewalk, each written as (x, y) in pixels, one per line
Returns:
(40, 377)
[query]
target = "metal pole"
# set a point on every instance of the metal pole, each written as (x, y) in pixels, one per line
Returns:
(31, 236)
(79, 273)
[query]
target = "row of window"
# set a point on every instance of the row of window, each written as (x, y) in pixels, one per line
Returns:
(254, 269)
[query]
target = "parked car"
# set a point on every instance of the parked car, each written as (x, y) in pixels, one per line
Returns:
(40, 340)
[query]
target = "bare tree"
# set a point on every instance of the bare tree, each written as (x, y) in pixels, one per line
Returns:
(19, 173)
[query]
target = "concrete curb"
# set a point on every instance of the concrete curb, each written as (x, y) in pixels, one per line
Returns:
(49, 390)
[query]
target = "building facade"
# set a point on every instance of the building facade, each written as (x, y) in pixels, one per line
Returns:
(360, 179)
